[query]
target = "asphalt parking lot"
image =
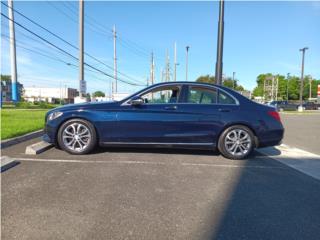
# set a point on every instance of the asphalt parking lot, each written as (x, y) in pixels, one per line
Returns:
(162, 194)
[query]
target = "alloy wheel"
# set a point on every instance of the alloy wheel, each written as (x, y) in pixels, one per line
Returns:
(238, 142)
(76, 137)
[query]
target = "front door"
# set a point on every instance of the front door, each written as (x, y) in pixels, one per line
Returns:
(157, 120)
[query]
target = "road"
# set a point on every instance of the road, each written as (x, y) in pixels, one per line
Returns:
(159, 194)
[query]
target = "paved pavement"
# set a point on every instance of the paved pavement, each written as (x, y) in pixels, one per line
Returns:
(156, 194)
(302, 131)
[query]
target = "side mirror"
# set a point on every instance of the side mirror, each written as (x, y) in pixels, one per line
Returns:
(136, 101)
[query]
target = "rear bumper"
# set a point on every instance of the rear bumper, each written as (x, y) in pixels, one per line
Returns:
(271, 138)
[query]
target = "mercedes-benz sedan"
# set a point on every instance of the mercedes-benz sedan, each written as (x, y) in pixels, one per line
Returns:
(173, 114)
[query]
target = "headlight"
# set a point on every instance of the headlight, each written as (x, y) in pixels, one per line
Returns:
(54, 115)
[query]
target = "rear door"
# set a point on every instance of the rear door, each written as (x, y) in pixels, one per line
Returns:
(205, 110)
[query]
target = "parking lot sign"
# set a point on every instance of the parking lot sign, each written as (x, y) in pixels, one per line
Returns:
(83, 87)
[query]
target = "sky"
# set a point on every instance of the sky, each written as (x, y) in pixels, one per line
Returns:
(260, 37)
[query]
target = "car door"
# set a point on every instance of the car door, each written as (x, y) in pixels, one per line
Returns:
(205, 110)
(157, 120)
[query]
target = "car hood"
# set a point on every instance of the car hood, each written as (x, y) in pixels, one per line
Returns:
(88, 105)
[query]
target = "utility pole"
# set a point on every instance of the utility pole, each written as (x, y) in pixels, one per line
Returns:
(187, 56)
(13, 54)
(288, 77)
(152, 69)
(167, 67)
(233, 83)
(219, 64)
(60, 91)
(277, 83)
(303, 50)
(115, 71)
(175, 61)
(162, 73)
(310, 88)
(82, 83)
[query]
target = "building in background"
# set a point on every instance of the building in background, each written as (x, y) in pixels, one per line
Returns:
(50, 95)
(6, 90)
(109, 98)
(119, 96)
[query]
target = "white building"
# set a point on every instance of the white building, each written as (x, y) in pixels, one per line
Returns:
(119, 96)
(51, 95)
(108, 98)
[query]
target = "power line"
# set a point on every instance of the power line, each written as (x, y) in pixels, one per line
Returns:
(90, 20)
(70, 55)
(35, 51)
(91, 26)
(93, 23)
(71, 45)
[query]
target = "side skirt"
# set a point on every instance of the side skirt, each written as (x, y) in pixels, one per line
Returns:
(205, 146)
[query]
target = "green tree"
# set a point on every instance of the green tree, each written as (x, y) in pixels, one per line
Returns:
(227, 82)
(98, 94)
(206, 79)
(293, 87)
(6, 78)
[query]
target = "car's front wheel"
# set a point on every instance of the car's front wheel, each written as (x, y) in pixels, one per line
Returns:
(236, 142)
(77, 136)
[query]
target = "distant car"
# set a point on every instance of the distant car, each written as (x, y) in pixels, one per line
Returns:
(175, 114)
(310, 106)
(283, 106)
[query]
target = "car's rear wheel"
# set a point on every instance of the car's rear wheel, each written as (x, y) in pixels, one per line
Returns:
(77, 136)
(236, 142)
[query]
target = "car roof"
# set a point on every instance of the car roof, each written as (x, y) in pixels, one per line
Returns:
(240, 98)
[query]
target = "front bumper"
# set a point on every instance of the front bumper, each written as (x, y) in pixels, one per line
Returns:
(49, 134)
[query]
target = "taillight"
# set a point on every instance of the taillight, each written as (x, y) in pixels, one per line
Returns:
(275, 115)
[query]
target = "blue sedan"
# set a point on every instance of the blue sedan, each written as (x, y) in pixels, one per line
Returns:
(173, 114)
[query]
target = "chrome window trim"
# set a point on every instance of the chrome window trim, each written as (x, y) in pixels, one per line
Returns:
(180, 85)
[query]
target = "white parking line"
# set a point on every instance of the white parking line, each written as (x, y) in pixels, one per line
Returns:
(303, 161)
(145, 162)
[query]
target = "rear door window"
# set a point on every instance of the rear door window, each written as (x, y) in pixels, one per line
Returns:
(199, 95)
(225, 98)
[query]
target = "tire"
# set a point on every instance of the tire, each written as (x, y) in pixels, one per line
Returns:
(230, 144)
(77, 136)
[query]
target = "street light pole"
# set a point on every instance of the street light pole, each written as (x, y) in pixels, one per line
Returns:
(187, 55)
(288, 76)
(219, 64)
(310, 88)
(303, 50)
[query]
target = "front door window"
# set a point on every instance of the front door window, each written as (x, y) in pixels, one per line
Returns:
(162, 95)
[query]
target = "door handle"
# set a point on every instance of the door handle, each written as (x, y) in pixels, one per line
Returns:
(224, 110)
(171, 108)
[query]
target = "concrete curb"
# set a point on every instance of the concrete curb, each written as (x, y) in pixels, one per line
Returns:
(7, 163)
(12, 141)
(38, 148)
